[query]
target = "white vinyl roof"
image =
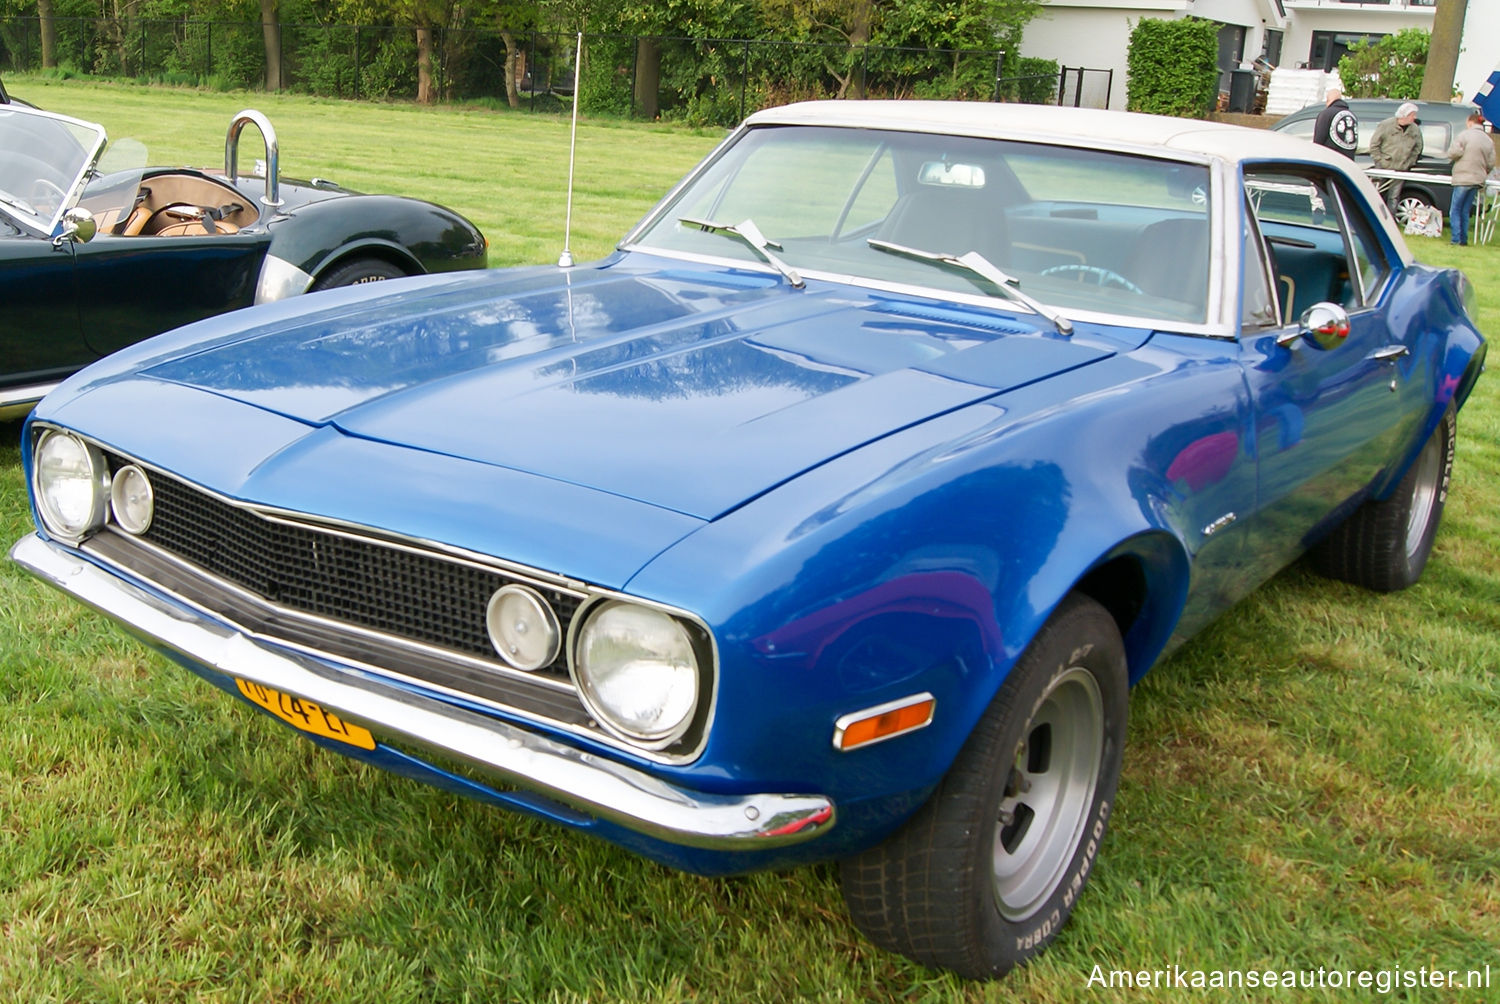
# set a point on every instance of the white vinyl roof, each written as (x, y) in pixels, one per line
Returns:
(1047, 123)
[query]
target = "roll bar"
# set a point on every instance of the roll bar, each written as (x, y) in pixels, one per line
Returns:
(232, 151)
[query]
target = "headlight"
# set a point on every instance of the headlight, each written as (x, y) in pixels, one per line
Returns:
(131, 499)
(523, 627)
(637, 672)
(70, 484)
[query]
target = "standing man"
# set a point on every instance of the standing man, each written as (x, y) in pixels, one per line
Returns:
(1473, 156)
(1337, 127)
(1396, 146)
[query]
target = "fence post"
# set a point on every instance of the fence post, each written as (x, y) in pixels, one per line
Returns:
(357, 66)
(744, 79)
(1109, 86)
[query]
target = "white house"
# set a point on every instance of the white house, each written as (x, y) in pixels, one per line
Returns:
(1296, 33)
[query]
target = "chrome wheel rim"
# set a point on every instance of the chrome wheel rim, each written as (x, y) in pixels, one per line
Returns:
(1424, 495)
(1049, 794)
(1405, 207)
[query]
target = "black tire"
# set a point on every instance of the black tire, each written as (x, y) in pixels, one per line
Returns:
(1384, 545)
(958, 886)
(356, 271)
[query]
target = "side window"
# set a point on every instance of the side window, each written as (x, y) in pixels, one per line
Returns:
(1323, 247)
(1369, 256)
(1259, 309)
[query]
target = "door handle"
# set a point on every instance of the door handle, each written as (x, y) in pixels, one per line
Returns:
(1389, 354)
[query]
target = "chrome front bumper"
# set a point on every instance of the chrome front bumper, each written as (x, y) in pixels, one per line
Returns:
(504, 753)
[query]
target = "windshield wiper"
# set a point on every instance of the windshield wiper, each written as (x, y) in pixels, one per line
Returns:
(15, 203)
(973, 261)
(747, 231)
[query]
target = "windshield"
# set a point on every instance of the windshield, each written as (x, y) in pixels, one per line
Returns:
(43, 160)
(1073, 229)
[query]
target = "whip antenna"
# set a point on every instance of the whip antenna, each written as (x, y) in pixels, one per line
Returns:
(565, 260)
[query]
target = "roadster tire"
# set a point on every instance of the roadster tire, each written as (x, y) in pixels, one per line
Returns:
(356, 271)
(983, 877)
(1384, 545)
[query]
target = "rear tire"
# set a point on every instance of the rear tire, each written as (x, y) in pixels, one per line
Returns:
(983, 877)
(1384, 545)
(356, 271)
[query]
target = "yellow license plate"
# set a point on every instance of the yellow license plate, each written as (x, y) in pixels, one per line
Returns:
(306, 715)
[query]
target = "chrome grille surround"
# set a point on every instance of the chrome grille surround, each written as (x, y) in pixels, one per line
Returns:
(331, 589)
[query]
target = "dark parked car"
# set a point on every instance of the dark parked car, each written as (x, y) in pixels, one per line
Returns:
(829, 518)
(1441, 123)
(94, 258)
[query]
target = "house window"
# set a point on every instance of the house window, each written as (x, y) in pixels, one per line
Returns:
(1270, 47)
(1328, 47)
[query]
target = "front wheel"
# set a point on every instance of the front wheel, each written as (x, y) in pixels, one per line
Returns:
(1385, 543)
(983, 877)
(356, 271)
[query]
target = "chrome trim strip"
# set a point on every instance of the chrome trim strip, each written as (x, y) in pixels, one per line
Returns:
(280, 279)
(615, 792)
(586, 594)
(15, 402)
(344, 627)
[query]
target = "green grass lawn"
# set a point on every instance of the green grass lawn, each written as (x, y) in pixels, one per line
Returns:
(1313, 782)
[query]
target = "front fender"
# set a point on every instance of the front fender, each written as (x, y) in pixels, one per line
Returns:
(420, 236)
(926, 562)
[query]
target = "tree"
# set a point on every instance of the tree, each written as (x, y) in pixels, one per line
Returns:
(48, 25)
(1391, 68)
(1442, 59)
(915, 24)
(270, 28)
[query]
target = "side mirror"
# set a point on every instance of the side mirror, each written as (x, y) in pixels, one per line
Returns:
(78, 225)
(1326, 325)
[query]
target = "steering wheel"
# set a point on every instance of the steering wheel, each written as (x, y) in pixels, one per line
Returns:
(1103, 277)
(42, 188)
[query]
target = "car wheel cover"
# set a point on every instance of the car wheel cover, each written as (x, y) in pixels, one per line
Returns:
(1424, 496)
(1049, 795)
(1406, 206)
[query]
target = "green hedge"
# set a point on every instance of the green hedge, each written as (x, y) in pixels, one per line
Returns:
(1173, 67)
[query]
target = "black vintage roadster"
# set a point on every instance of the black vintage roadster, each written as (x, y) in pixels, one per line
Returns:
(95, 256)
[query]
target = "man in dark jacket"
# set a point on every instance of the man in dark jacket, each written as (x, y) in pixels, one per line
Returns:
(1396, 146)
(1337, 127)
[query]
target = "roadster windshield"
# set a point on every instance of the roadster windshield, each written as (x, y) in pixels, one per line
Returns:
(1077, 230)
(43, 159)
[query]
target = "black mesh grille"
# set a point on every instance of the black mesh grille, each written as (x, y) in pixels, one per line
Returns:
(416, 596)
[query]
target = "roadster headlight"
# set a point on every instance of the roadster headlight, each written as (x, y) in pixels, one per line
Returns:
(637, 672)
(70, 482)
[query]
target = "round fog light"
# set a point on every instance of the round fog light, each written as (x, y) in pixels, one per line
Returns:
(69, 478)
(522, 627)
(130, 495)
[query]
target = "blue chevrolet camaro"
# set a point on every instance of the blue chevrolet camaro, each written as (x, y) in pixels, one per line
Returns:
(831, 517)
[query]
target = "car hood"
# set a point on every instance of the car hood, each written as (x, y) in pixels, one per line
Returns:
(687, 388)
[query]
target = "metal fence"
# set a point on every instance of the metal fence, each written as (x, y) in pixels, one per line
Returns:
(704, 81)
